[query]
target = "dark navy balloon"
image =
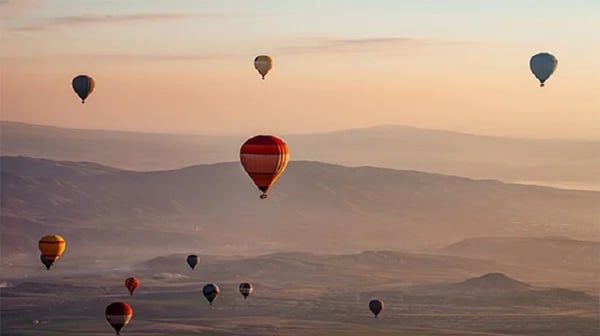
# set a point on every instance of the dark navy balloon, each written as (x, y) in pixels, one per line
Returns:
(376, 306)
(48, 263)
(83, 86)
(193, 260)
(211, 291)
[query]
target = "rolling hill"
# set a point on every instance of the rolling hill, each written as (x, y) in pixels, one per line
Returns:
(549, 252)
(562, 163)
(314, 207)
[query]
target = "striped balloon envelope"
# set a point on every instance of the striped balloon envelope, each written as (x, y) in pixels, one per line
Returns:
(52, 247)
(118, 314)
(132, 283)
(264, 158)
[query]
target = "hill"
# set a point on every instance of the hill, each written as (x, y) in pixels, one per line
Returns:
(298, 292)
(314, 207)
(490, 282)
(550, 252)
(562, 163)
(493, 290)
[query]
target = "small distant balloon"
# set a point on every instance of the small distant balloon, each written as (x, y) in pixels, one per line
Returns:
(83, 86)
(263, 64)
(264, 158)
(211, 291)
(52, 247)
(246, 289)
(132, 283)
(376, 306)
(543, 65)
(118, 314)
(192, 260)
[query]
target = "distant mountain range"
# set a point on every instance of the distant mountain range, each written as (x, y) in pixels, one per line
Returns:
(104, 211)
(550, 252)
(561, 163)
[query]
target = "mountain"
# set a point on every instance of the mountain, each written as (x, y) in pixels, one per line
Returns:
(562, 163)
(495, 289)
(367, 269)
(490, 282)
(550, 252)
(313, 207)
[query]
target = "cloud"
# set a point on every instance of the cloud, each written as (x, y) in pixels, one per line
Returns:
(80, 20)
(169, 276)
(153, 57)
(366, 44)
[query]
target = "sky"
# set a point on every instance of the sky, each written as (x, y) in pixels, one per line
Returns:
(186, 66)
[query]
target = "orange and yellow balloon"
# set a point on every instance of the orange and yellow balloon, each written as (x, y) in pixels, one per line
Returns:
(52, 247)
(264, 157)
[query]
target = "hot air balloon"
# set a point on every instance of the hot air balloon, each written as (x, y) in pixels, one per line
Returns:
(543, 65)
(376, 306)
(264, 157)
(118, 315)
(83, 86)
(211, 291)
(193, 260)
(246, 289)
(52, 247)
(263, 64)
(131, 284)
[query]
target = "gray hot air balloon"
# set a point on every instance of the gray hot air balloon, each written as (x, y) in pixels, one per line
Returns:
(543, 65)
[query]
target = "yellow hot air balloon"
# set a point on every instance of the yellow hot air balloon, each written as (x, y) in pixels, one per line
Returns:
(263, 64)
(52, 247)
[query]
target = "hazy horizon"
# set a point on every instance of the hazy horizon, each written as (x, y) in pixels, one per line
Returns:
(321, 132)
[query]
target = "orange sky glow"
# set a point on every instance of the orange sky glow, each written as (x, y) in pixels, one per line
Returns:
(151, 78)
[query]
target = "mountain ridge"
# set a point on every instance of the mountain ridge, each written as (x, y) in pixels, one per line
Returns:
(384, 127)
(314, 206)
(555, 163)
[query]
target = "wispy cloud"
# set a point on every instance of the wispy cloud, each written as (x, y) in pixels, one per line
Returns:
(80, 20)
(366, 44)
(152, 57)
